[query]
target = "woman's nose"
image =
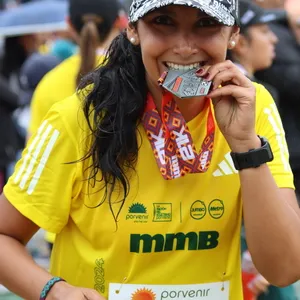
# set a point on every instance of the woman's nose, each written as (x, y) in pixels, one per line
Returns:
(185, 47)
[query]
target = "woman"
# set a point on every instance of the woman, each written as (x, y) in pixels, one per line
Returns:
(100, 176)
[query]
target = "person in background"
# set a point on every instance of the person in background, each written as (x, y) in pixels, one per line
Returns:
(62, 44)
(16, 50)
(9, 138)
(13, 54)
(31, 73)
(96, 23)
(63, 48)
(284, 75)
(255, 49)
(292, 8)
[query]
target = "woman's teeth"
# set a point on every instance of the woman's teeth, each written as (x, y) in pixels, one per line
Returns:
(183, 67)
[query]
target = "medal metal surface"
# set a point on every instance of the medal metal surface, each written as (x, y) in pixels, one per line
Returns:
(185, 83)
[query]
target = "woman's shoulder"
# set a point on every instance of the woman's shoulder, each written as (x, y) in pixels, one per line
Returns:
(263, 97)
(266, 109)
(68, 105)
(70, 113)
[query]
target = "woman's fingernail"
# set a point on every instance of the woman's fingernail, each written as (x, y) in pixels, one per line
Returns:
(206, 76)
(200, 71)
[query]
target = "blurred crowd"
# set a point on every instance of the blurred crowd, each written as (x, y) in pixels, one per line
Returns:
(42, 67)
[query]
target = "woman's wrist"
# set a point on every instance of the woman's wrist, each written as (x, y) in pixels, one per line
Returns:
(245, 145)
(58, 291)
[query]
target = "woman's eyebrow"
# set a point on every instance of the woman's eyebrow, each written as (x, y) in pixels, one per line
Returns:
(203, 14)
(164, 10)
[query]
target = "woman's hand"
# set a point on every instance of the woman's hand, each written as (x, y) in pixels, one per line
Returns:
(234, 97)
(247, 263)
(258, 285)
(65, 291)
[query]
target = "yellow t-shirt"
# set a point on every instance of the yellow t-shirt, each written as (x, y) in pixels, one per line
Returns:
(57, 85)
(177, 239)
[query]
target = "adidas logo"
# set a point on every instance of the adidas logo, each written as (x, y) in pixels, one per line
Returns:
(225, 167)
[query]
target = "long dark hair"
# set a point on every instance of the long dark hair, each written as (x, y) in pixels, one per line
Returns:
(113, 109)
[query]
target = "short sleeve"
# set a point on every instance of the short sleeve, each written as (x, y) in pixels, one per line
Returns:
(43, 184)
(269, 125)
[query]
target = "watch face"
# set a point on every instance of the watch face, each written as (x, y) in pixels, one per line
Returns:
(186, 84)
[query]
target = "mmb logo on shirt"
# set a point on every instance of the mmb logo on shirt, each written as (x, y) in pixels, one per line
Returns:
(146, 243)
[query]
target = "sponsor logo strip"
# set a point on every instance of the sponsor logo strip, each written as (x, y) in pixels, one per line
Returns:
(207, 291)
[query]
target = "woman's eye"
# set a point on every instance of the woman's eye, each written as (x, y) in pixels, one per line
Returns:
(207, 22)
(163, 20)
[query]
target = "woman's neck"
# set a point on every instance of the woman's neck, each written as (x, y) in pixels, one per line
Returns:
(191, 107)
(247, 66)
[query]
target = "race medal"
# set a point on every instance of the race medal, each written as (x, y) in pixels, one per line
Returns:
(171, 141)
(185, 83)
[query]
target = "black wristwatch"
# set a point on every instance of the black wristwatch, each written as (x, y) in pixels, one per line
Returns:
(254, 157)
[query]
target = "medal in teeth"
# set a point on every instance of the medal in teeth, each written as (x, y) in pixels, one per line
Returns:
(182, 81)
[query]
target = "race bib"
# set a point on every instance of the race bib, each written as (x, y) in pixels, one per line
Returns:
(206, 291)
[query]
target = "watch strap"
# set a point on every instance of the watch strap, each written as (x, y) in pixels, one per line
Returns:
(254, 157)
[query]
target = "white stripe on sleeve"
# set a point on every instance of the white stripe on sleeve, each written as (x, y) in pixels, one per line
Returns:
(30, 149)
(35, 156)
(43, 162)
(276, 124)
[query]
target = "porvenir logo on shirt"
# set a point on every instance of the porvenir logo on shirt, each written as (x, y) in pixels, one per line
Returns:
(137, 213)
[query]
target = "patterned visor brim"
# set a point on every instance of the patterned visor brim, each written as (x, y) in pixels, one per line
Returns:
(224, 11)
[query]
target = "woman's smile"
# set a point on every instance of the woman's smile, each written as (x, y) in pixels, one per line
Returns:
(184, 67)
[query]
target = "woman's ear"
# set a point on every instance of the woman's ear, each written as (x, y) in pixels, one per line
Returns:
(234, 38)
(132, 34)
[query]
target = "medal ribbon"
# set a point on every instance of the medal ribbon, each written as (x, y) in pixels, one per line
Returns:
(171, 140)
